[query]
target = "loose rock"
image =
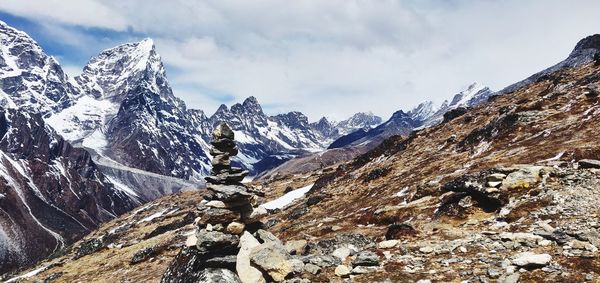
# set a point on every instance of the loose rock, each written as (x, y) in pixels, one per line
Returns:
(528, 259)
(272, 258)
(342, 271)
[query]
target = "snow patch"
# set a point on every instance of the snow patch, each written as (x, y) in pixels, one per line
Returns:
(122, 187)
(402, 192)
(287, 198)
(154, 216)
(28, 274)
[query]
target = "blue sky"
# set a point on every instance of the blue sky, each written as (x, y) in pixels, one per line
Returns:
(324, 58)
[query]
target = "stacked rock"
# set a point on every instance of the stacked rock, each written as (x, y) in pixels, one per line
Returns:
(223, 149)
(225, 187)
(226, 214)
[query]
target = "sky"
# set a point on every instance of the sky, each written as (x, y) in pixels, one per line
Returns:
(324, 58)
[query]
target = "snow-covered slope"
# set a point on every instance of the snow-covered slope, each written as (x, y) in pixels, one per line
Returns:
(330, 130)
(29, 78)
(128, 113)
(472, 96)
(360, 120)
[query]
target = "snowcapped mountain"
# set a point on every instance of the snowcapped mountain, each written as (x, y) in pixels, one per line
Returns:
(29, 78)
(122, 108)
(51, 193)
(129, 114)
(77, 151)
(424, 115)
(361, 120)
(472, 96)
(264, 141)
(331, 131)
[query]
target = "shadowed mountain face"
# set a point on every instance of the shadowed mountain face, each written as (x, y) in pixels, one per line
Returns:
(51, 193)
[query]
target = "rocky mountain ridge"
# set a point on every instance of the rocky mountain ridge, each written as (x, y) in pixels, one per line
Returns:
(29, 78)
(423, 115)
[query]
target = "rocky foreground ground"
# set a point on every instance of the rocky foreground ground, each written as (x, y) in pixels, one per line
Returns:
(549, 234)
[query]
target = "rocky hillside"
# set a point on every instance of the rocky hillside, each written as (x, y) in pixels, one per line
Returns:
(51, 193)
(502, 192)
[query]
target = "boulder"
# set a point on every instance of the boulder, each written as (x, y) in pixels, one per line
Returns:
(216, 204)
(235, 228)
(589, 163)
(222, 131)
(342, 271)
(219, 216)
(272, 258)
(191, 240)
(342, 253)
(496, 177)
(521, 237)
(227, 261)
(191, 266)
(528, 259)
(247, 272)
(215, 242)
(297, 265)
(364, 269)
(265, 236)
(218, 275)
(523, 178)
(226, 177)
(229, 193)
(323, 260)
(312, 269)
(258, 212)
(388, 244)
(366, 258)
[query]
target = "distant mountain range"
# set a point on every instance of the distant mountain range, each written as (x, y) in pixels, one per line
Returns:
(424, 115)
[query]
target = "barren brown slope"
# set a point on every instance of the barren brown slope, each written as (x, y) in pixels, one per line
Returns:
(555, 118)
(558, 115)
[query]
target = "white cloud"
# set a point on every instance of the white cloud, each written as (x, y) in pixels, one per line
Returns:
(337, 57)
(86, 13)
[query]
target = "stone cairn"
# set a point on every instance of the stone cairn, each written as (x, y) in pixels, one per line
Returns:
(220, 249)
(230, 244)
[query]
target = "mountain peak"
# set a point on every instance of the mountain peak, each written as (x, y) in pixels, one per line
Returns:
(250, 101)
(590, 42)
(35, 81)
(146, 44)
(423, 111)
(116, 68)
(471, 95)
